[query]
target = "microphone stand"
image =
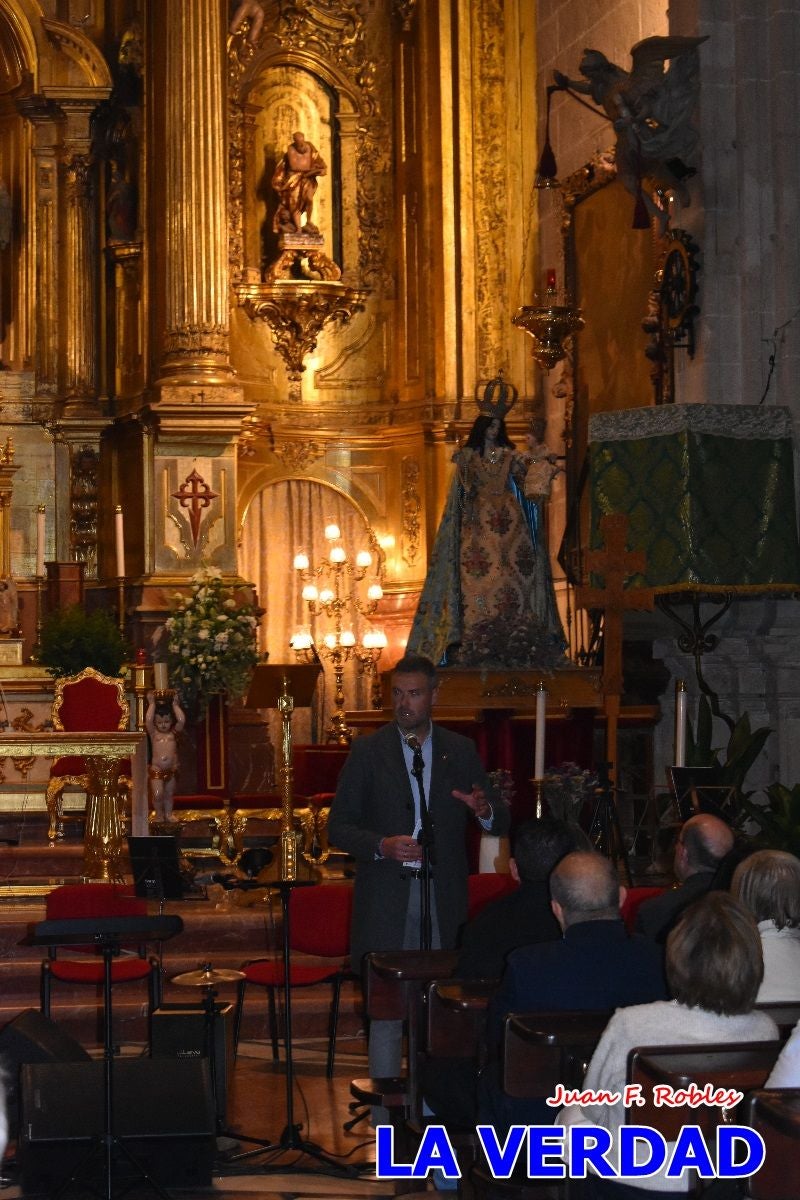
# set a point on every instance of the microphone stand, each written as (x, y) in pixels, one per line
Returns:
(426, 841)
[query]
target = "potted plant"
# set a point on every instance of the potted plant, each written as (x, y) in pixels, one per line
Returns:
(72, 639)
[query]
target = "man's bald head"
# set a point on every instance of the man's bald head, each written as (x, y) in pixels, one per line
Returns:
(703, 842)
(584, 887)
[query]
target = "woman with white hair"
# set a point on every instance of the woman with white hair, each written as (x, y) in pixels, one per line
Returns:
(768, 885)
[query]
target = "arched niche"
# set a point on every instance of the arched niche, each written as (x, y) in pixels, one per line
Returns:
(273, 94)
(283, 517)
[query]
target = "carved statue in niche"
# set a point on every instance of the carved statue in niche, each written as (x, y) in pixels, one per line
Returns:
(121, 207)
(650, 109)
(295, 181)
(9, 607)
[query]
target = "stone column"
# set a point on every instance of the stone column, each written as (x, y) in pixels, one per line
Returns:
(196, 249)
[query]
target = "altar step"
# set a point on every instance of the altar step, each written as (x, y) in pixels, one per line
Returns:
(216, 930)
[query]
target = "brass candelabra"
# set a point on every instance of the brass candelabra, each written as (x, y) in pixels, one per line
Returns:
(336, 600)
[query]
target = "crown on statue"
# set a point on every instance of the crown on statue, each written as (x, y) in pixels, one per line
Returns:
(498, 399)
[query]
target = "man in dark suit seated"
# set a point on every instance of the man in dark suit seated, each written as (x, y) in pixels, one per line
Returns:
(525, 915)
(703, 843)
(596, 965)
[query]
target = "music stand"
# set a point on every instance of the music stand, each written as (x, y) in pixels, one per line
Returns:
(108, 934)
(698, 789)
(155, 864)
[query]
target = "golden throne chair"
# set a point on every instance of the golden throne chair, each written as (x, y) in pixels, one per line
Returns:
(85, 703)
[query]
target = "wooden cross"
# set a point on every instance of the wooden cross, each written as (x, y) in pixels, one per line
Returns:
(616, 564)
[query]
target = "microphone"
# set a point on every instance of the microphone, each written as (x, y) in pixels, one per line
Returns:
(413, 743)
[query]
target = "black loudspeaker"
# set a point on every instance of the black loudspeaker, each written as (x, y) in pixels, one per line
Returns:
(32, 1038)
(162, 1111)
(182, 1031)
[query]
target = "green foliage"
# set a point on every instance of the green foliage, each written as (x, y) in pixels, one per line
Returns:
(72, 639)
(744, 746)
(779, 820)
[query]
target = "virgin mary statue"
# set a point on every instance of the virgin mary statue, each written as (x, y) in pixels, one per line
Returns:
(488, 598)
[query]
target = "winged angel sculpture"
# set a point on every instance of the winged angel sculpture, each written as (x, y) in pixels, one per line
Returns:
(248, 10)
(650, 108)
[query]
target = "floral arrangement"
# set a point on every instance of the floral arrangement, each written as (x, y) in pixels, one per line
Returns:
(566, 788)
(212, 641)
(502, 786)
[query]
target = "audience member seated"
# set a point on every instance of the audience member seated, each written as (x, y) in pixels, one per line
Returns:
(768, 885)
(703, 843)
(714, 970)
(595, 965)
(525, 915)
(786, 1072)
(517, 919)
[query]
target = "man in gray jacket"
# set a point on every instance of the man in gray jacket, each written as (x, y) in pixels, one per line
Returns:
(375, 817)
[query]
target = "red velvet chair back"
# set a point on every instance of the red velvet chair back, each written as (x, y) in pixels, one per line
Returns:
(320, 919)
(91, 706)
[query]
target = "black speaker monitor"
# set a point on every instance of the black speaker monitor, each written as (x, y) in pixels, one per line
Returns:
(162, 1109)
(32, 1038)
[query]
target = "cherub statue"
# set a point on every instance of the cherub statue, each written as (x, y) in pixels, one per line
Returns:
(650, 109)
(163, 721)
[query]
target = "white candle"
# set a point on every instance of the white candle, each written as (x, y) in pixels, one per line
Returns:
(119, 530)
(680, 723)
(40, 527)
(160, 676)
(538, 758)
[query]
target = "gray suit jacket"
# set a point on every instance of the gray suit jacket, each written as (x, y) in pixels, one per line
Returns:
(374, 800)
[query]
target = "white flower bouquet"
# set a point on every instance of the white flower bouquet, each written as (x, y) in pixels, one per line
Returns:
(212, 641)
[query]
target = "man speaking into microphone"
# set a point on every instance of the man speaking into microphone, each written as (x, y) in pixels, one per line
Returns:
(378, 816)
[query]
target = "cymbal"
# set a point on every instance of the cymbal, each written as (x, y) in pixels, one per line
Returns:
(207, 977)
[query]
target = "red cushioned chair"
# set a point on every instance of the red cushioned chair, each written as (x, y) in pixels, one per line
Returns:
(634, 899)
(320, 926)
(84, 703)
(84, 964)
(485, 887)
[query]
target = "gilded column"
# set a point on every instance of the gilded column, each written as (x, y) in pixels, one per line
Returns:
(45, 182)
(196, 258)
(80, 358)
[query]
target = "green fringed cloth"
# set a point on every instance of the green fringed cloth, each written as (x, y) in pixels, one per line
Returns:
(709, 494)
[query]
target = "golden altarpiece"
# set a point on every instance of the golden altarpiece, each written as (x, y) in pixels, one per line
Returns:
(151, 358)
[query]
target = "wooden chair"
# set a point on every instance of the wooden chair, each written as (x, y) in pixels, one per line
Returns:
(784, 1013)
(393, 986)
(775, 1114)
(83, 965)
(85, 703)
(320, 926)
(739, 1065)
(540, 1050)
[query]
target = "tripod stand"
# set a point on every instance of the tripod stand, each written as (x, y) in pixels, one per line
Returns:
(108, 934)
(605, 831)
(291, 1139)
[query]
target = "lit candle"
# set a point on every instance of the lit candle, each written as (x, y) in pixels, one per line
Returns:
(160, 676)
(680, 723)
(538, 757)
(40, 528)
(551, 279)
(119, 530)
